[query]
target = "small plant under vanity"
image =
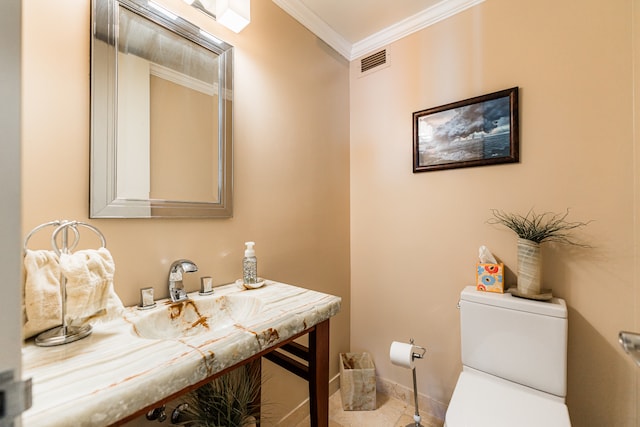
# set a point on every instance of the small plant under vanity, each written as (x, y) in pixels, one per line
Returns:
(231, 400)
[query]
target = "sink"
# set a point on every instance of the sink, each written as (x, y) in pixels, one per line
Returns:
(195, 316)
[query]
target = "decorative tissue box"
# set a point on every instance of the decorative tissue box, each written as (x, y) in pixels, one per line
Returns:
(490, 277)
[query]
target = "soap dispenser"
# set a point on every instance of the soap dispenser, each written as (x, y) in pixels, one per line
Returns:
(249, 264)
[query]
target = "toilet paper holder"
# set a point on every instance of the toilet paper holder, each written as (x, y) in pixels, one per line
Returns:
(417, 352)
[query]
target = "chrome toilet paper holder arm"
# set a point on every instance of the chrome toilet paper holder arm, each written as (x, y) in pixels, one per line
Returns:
(421, 353)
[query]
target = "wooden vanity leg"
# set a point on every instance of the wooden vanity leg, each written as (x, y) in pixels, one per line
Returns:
(319, 375)
(257, 365)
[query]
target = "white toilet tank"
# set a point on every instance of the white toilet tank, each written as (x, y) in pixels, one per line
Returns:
(520, 340)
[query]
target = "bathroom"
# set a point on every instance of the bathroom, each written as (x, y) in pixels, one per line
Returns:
(323, 179)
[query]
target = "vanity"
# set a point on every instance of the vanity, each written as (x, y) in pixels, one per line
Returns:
(139, 360)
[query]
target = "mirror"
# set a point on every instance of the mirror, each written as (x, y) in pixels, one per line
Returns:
(161, 115)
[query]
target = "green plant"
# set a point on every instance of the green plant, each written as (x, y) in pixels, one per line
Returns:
(546, 227)
(231, 400)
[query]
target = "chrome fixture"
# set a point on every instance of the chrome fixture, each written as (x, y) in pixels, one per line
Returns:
(158, 414)
(176, 288)
(414, 355)
(180, 409)
(146, 299)
(15, 397)
(206, 285)
(630, 342)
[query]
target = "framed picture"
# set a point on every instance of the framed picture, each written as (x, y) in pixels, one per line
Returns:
(474, 132)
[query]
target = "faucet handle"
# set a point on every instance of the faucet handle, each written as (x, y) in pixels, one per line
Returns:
(146, 299)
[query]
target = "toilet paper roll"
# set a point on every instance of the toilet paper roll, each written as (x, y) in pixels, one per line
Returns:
(401, 354)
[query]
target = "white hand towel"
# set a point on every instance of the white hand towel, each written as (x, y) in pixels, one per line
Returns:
(90, 294)
(42, 308)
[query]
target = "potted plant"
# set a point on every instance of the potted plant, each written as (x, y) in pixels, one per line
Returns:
(533, 229)
(231, 400)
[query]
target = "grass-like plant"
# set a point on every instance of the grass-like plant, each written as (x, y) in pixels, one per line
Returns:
(546, 227)
(228, 401)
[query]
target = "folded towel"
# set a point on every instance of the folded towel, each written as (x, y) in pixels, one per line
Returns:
(90, 293)
(42, 308)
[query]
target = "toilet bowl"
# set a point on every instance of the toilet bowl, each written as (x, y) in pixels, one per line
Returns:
(514, 363)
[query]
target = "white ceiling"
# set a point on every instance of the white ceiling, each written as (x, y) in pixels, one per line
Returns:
(357, 27)
(358, 19)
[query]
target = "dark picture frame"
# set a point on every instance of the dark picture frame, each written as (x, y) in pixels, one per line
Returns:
(478, 131)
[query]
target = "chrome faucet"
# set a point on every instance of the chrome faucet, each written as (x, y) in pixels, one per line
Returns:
(630, 342)
(176, 288)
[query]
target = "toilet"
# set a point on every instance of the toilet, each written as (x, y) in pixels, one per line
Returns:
(514, 362)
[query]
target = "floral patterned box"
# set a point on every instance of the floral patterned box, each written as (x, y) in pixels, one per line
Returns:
(490, 277)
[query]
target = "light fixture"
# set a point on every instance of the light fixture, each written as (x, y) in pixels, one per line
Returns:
(209, 6)
(233, 14)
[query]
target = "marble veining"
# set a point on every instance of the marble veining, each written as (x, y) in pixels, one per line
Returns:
(114, 372)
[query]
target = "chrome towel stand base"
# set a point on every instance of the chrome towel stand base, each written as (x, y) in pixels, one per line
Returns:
(64, 333)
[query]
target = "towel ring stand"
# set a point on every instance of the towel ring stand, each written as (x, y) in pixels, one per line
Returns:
(55, 223)
(74, 226)
(64, 333)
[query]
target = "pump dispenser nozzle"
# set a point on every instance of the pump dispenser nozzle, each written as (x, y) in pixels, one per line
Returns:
(249, 251)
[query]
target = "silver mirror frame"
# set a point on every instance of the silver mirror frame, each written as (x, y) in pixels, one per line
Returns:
(103, 200)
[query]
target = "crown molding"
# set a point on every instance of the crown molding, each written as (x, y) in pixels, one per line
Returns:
(429, 16)
(309, 19)
(417, 22)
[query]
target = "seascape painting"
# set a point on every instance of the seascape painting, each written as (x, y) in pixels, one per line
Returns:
(474, 132)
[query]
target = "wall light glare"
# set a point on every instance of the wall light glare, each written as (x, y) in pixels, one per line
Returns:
(211, 37)
(162, 10)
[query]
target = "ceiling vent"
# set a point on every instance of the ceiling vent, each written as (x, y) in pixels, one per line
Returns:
(374, 62)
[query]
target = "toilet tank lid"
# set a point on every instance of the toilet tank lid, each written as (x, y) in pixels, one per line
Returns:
(555, 308)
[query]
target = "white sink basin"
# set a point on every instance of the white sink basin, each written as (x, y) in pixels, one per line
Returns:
(194, 316)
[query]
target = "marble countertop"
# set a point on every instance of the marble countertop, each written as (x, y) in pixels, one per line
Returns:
(113, 373)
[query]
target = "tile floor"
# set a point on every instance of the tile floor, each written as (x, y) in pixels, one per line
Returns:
(390, 412)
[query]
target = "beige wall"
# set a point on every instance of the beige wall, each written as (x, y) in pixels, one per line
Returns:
(414, 237)
(291, 174)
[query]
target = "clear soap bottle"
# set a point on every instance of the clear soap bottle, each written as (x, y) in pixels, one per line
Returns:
(249, 265)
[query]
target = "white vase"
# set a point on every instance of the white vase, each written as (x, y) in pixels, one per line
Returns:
(529, 267)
